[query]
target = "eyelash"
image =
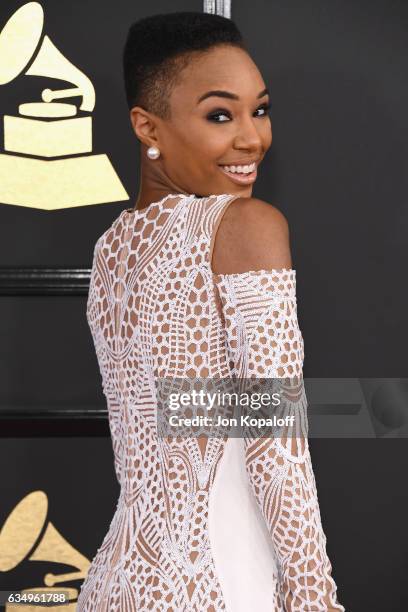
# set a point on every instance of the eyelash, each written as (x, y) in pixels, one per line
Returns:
(266, 107)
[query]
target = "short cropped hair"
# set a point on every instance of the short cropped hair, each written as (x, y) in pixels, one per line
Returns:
(158, 47)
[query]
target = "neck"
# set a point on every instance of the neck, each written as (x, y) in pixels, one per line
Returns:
(154, 186)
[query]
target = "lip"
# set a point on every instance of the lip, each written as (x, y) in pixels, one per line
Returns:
(238, 179)
(243, 162)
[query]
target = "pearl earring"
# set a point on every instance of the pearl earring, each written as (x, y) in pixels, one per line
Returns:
(153, 152)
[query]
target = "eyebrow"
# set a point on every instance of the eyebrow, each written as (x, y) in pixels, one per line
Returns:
(227, 94)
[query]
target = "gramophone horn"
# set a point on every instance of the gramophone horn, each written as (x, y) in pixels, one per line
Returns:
(22, 529)
(21, 533)
(19, 39)
(52, 63)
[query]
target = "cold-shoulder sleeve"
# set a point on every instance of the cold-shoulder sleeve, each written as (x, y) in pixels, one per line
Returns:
(263, 338)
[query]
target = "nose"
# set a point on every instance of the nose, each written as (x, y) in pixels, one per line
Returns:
(248, 135)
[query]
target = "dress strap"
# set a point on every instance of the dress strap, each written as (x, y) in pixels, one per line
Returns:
(216, 211)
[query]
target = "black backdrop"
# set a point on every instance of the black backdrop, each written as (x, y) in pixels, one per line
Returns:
(337, 169)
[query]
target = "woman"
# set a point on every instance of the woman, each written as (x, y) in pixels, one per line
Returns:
(185, 286)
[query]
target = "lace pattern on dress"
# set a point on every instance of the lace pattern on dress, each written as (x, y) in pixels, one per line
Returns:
(155, 309)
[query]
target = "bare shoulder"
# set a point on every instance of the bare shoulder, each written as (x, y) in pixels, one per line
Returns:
(253, 235)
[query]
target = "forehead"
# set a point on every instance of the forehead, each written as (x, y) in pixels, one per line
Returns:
(223, 67)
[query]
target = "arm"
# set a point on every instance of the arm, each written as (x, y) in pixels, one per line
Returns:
(265, 341)
(281, 475)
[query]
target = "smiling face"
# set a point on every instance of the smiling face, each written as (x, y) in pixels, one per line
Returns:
(207, 132)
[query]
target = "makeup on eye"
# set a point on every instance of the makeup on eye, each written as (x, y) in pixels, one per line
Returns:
(222, 111)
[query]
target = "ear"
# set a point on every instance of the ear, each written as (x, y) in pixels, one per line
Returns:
(143, 125)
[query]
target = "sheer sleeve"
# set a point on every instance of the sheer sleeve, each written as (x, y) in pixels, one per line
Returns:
(264, 341)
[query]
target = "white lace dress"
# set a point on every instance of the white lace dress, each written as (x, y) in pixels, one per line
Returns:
(233, 525)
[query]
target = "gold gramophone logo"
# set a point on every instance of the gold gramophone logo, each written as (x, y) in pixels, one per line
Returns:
(26, 535)
(44, 130)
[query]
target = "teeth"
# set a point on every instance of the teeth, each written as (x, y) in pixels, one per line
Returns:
(241, 169)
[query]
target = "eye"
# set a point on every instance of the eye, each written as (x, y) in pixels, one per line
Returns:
(266, 108)
(222, 112)
(219, 113)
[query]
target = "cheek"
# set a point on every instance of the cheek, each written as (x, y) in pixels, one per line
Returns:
(207, 140)
(267, 135)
